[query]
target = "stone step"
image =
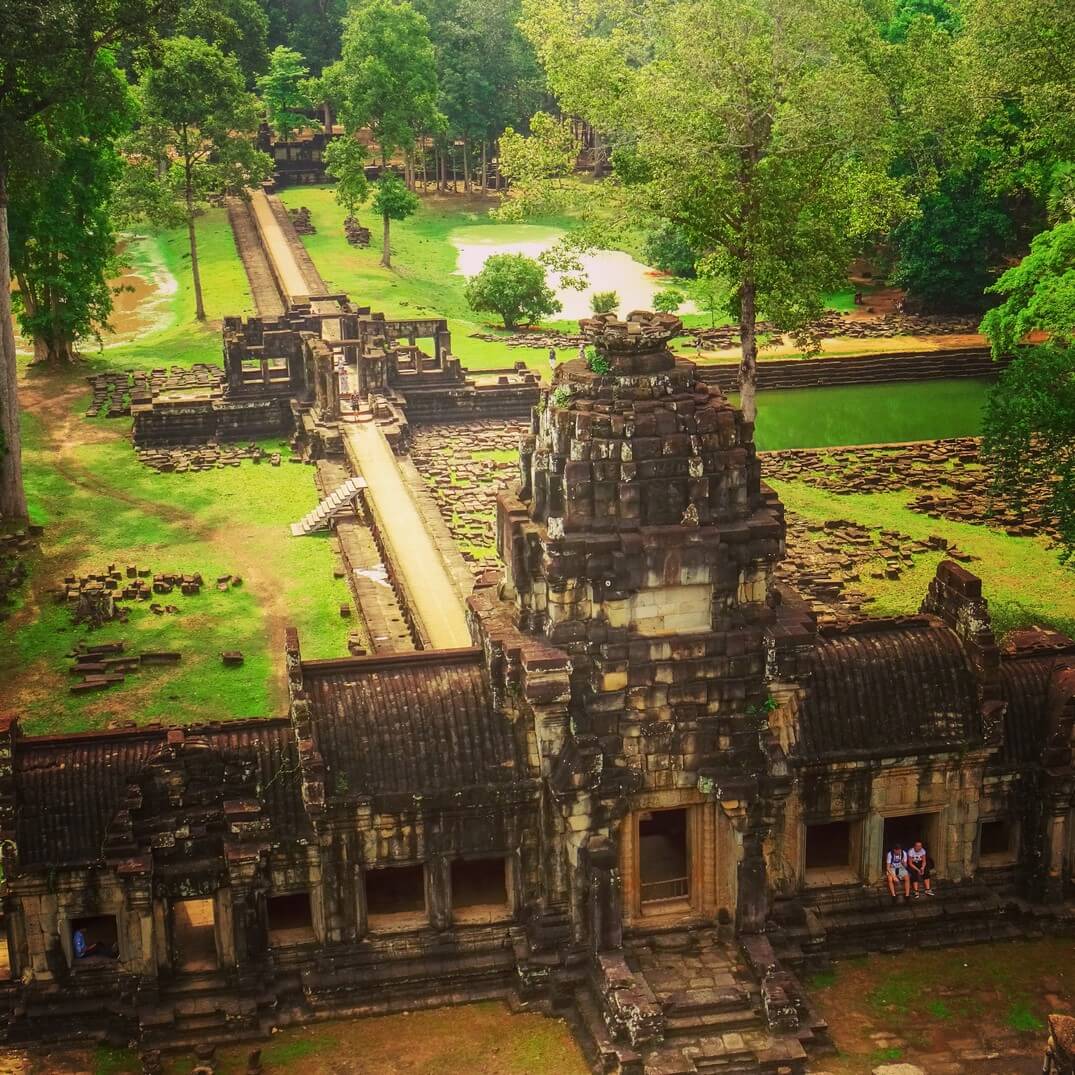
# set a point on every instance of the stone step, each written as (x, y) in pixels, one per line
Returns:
(339, 498)
(683, 1002)
(713, 1022)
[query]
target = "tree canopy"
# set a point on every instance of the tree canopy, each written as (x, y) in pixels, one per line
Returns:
(195, 139)
(513, 286)
(757, 128)
(286, 92)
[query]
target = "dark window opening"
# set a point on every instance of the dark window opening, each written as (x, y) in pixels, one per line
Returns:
(662, 856)
(996, 838)
(94, 940)
(194, 934)
(828, 845)
(479, 887)
(396, 891)
(290, 919)
(909, 828)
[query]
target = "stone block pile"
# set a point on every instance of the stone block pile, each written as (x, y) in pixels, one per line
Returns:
(538, 340)
(356, 234)
(948, 478)
(105, 664)
(300, 219)
(95, 598)
(204, 457)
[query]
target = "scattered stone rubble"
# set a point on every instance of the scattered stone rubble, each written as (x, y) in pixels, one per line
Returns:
(949, 475)
(113, 393)
(94, 598)
(828, 564)
(204, 457)
(14, 547)
(104, 664)
(356, 234)
(464, 486)
(834, 323)
(300, 218)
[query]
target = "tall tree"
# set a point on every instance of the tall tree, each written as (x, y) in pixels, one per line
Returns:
(47, 55)
(1030, 415)
(757, 127)
(63, 242)
(386, 80)
(286, 92)
(239, 28)
(345, 162)
(195, 139)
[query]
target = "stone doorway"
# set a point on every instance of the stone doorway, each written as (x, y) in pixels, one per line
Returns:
(664, 856)
(907, 828)
(194, 935)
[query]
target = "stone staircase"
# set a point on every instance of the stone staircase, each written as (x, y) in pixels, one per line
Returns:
(846, 921)
(689, 1003)
(338, 501)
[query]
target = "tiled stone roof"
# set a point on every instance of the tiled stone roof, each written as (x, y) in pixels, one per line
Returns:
(69, 788)
(888, 687)
(410, 724)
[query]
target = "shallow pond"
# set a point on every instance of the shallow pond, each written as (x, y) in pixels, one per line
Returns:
(606, 270)
(870, 414)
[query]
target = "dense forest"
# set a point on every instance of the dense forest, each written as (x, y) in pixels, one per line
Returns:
(764, 143)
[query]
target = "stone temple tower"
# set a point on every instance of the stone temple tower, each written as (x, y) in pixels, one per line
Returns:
(641, 543)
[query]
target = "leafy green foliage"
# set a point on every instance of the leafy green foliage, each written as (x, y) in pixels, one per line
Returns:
(905, 12)
(63, 241)
(238, 28)
(604, 302)
(1039, 293)
(392, 199)
(950, 252)
(535, 164)
(598, 363)
(312, 28)
(345, 161)
(760, 130)
(386, 78)
(195, 138)
(513, 286)
(668, 300)
(668, 249)
(285, 92)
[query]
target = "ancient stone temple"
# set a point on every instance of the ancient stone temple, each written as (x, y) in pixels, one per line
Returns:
(650, 792)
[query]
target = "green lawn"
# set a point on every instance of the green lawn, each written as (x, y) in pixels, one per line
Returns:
(99, 505)
(1022, 577)
(181, 340)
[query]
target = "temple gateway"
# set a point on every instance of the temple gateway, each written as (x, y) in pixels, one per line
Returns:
(650, 792)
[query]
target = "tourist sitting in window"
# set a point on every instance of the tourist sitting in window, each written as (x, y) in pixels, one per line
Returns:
(896, 871)
(84, 948)
(920, 867)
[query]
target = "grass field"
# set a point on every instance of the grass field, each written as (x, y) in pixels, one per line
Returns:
(939, 1009)
(472, 1039)
(99, 505)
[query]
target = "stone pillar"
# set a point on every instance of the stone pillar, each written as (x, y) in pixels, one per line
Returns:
(753, 897)
(439, 892)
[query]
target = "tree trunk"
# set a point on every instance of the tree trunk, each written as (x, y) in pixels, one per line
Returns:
(199, 305)
(485, 166)
(328, 119)
(386, 250)
(466, 166)
(596, 154)
(748, 336)
(12, 493)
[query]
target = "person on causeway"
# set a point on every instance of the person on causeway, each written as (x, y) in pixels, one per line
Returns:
(919, 868)
(896, 871)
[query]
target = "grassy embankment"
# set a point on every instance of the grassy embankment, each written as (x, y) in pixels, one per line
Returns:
(99, 505)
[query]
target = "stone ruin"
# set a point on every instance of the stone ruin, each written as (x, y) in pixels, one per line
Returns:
(356, 233)
(654, 790)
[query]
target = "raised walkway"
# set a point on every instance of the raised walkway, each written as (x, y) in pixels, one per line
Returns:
(429, 590)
